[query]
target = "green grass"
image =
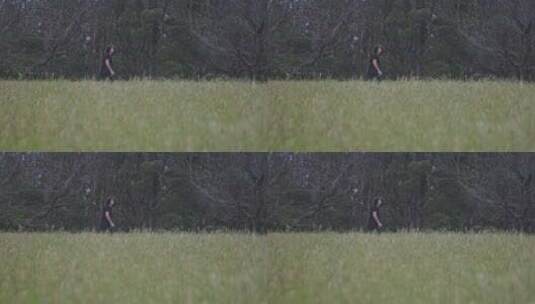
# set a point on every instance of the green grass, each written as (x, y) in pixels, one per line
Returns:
(275, 116)
(276, 268)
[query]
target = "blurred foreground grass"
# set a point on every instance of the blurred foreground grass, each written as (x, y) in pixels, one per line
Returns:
(276, 268)
(275, 116)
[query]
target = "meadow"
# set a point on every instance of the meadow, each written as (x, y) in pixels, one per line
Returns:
(274, 116)
(273, 268)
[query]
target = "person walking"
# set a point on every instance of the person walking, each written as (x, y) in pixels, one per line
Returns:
(106, 222)
(375, 71)
(106, 69)
(374, 221)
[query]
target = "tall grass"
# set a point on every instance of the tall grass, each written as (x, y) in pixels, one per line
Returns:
(277, 268)
(275, 116)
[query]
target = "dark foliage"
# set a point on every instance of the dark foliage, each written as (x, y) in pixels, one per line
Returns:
(268, 192)
(266, 39)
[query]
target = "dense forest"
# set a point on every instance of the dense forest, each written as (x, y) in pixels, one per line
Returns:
(264, 192)
(268, 39)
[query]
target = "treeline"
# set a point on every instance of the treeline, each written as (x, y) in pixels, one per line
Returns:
(267, 192)
(268, 39)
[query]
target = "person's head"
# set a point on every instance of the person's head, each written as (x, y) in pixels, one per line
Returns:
(110, 50)
(378, 201)
(378, 50)
(110, 201)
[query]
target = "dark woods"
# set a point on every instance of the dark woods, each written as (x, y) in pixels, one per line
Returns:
(261, 39)
(267, 192)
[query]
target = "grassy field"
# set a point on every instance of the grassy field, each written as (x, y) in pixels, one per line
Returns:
(277, 268)
(275, 116)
